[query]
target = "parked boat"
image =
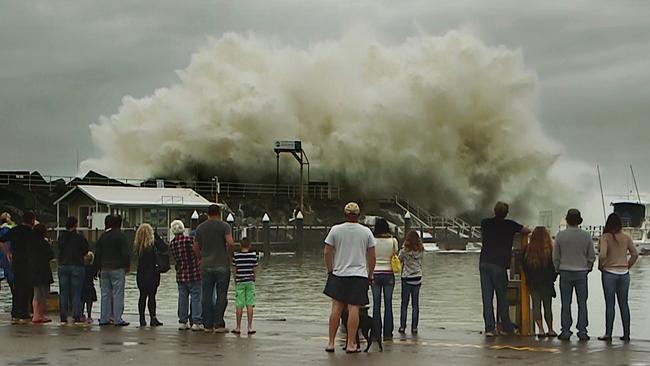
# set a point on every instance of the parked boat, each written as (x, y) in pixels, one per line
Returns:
(636, 223)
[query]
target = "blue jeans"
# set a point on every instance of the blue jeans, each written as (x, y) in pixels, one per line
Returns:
(494, 279)
(185, 290)
(616, 286)
(214, 285)
(570, 280)
(112, 287)
(71, 280)
(385, 283)
(413, 292)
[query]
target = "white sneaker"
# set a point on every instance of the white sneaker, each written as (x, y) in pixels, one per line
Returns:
(183, 326)
(197, 327)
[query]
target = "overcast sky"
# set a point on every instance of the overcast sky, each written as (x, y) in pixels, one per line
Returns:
(65, 63)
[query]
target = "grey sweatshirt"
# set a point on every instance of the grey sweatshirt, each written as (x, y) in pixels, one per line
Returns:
(574, 250)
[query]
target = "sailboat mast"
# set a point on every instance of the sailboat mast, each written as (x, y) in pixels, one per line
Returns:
(638, 196)
(602, 194)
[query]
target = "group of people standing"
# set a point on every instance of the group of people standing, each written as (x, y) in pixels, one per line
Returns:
(26, 255)
(203, 262)
(356, 258)
(571, 257)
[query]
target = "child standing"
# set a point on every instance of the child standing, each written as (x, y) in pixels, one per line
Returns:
(88, 292)
(411, 258)
(244, 270)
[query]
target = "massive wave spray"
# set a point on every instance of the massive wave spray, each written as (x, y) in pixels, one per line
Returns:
(446, 120)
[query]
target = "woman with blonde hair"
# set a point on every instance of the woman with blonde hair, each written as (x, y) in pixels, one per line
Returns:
(148, 277)
(411, 258)
(540, 278)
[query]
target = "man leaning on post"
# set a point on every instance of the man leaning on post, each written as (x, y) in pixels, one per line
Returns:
(497, 234)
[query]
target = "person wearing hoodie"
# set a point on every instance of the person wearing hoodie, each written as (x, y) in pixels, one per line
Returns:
(72, 249)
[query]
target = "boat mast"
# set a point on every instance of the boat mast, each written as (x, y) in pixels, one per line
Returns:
(602, 195)
(638, 196)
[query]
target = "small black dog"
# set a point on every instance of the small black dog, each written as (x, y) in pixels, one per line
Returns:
(366, 327)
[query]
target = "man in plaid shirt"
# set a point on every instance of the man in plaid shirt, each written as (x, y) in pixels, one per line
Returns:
(188, 277)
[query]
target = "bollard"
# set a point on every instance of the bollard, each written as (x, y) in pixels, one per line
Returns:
(231, 221)
(407, 223)
(300, 233)
(194, 219)
(266, 236)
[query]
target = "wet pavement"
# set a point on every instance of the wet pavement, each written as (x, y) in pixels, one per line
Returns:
(290, 343)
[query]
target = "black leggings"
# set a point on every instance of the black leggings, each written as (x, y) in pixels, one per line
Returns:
(142, 301)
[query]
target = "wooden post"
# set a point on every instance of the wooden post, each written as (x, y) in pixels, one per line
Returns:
(266, 235)
(526, 328)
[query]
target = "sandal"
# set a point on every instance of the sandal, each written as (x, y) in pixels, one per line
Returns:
(251, 332)
(235, 331)
(354, 351)
(542, 335)
(329, 350)
(551, 335)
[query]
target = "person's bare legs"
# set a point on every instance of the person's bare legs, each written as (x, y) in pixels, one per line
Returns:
(240, 313)
(335, 319)
(353, 327)
(540, 326)
(249, 316)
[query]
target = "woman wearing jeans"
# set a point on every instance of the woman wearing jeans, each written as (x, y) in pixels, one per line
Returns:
(411, 257)
(615, 266)
(384, 280)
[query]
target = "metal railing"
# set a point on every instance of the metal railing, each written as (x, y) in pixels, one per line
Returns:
(423, 218)
(206, 188)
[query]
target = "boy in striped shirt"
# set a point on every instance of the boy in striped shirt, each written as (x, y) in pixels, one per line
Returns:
(244, 265)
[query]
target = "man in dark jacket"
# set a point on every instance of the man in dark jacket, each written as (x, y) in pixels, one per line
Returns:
(72, 249)
(113, 261)
(22, 238)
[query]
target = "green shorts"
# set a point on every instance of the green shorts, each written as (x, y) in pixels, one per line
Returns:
(244, 295)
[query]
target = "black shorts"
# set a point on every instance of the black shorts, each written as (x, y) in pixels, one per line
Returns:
(348, 290)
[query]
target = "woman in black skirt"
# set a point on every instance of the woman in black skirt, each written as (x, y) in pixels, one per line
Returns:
(148, 277)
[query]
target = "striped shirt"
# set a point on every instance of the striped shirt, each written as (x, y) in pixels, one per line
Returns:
(244, 263)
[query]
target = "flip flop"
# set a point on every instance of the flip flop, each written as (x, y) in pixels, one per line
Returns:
(235, 331)
(355, 351)
(329, 350)
(252, 332)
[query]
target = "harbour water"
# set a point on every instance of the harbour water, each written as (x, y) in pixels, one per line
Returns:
(289, 288)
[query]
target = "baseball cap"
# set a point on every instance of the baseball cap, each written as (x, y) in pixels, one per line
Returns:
(352, 208)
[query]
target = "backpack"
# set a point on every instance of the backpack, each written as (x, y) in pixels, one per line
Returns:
(161, 250)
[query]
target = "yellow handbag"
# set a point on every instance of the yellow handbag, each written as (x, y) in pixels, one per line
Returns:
(395, 263)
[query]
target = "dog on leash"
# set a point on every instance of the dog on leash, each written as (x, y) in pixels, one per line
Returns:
(367, 328)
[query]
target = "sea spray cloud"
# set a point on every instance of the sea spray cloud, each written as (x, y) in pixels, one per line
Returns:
(445, 119)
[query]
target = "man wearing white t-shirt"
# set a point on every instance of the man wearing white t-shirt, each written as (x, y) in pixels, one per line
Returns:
(350, 260)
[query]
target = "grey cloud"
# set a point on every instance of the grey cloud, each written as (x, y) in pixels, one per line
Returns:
(65, 63)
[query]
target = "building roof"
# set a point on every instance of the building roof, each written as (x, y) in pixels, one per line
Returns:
(635, 202)
(141, 196)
